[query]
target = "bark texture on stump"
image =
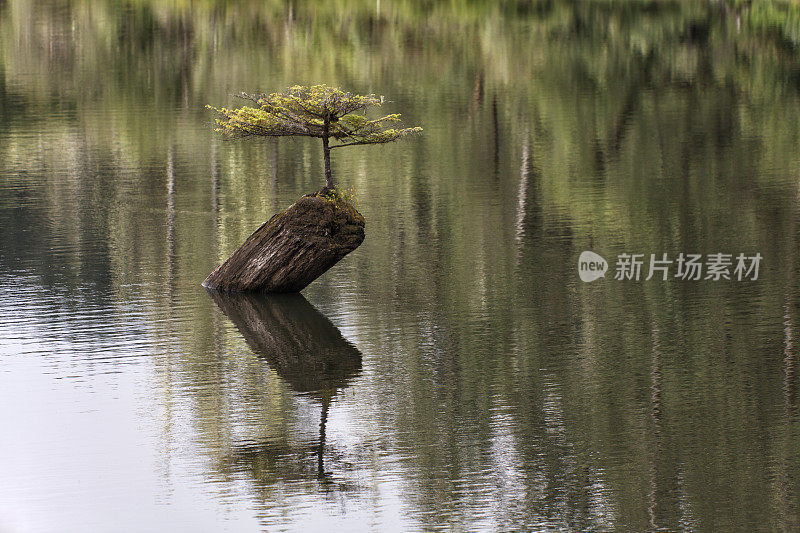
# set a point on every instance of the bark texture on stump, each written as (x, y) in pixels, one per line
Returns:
(293, 248)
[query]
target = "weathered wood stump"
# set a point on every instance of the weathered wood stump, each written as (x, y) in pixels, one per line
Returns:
(293, 248)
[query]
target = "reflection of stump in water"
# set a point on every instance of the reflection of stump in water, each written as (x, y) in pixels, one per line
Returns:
(303, 347)
(297, 341)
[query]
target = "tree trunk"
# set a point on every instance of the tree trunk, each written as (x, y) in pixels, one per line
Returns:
(326, 154)
(293, 248)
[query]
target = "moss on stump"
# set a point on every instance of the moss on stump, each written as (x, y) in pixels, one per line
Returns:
(293, 248)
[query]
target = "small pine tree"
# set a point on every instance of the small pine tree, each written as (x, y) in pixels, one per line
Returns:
(317, 111)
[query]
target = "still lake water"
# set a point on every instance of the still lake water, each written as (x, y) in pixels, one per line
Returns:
(457, 372)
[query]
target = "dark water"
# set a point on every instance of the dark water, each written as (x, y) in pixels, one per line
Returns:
(456, 370)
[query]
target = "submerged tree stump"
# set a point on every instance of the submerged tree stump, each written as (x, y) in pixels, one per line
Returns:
(293, 248)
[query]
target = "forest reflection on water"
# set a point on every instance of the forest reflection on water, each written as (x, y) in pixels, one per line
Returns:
(465, 377)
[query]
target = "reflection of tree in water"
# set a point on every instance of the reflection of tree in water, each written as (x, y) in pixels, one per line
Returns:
(310, 354)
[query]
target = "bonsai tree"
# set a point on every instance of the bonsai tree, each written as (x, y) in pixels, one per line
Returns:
(337, 117)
